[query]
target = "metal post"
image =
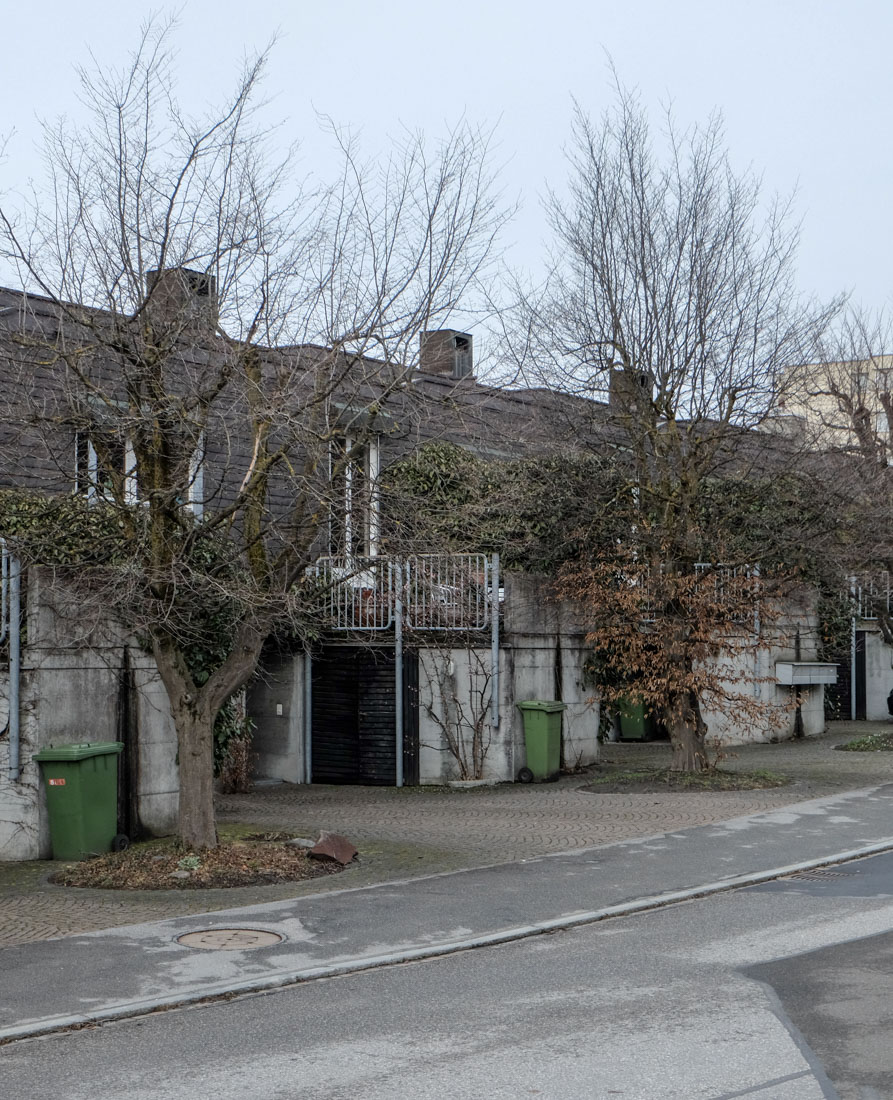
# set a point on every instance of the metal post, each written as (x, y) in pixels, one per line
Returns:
(757, 686)
(308, 717)
(15, 666)
(853, 656)
(494, 640)
(398, 671)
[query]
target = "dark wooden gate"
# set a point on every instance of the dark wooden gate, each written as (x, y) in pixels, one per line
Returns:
(353, 716)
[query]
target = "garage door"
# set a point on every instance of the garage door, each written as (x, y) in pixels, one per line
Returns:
(354, 712)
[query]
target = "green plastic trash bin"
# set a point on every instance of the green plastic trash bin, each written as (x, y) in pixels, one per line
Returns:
(635, 724)
(542, 736)
(82, 797)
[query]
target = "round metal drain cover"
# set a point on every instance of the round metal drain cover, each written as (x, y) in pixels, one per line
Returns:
(229, 939)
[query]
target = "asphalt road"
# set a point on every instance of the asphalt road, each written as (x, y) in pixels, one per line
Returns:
(771, 992)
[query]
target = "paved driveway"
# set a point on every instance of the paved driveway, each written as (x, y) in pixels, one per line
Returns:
(415, 831)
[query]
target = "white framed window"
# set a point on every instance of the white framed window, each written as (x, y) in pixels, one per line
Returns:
(355, 519)
(195, 490)
(105, 469)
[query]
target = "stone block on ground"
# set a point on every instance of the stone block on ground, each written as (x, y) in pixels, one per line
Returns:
(333, 846)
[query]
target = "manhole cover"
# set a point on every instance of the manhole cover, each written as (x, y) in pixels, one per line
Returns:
(229, 939)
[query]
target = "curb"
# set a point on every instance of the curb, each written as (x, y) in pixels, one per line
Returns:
(208, 994)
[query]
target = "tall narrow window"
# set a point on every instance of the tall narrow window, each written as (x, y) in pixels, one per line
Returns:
(195, 491)
(105, 468)
(355, 523)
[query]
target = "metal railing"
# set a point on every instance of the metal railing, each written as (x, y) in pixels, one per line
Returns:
(425, 592)
(871, 592)
(436, 591)
(733, 584)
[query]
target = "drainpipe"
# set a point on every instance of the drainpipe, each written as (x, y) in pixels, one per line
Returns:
(308, 717)
(15, 667)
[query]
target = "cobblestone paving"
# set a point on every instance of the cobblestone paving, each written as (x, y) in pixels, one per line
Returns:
(403, 833)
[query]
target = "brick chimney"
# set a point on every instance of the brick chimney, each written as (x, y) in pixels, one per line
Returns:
(446, 352)
(182, 297)
(627, 388)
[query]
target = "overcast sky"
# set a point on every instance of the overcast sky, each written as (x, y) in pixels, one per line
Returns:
(804, 86)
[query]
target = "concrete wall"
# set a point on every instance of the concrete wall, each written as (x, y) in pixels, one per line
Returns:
(71, 691)
(534, 622)
(539, 658)
(466, 676)
(543, 655)
(878, 674)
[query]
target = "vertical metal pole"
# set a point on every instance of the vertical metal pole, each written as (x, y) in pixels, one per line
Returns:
(494, 640)
(15, 666)
(757, 686)
(398, 672)
(308, 717)
(853, 656)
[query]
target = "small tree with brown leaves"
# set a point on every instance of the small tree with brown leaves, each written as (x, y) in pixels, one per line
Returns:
(672, 298)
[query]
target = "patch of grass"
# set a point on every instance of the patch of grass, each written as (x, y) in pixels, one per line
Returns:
(166, 865)
(871, 742)
(612, 779)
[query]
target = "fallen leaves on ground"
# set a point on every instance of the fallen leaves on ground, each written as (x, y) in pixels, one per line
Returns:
(167, 865)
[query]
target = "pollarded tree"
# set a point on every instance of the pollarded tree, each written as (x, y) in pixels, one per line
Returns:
(672, 297)
(204, 348)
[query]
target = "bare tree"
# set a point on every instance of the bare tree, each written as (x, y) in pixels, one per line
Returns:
(457, 701)
(845, 398)
(844, 402)
(214, 348)
(672, 296)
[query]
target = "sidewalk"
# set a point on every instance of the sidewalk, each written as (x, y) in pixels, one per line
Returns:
(421, 831)
(132, 970)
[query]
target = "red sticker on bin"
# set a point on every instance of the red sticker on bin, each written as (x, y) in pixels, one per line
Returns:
(57, 782)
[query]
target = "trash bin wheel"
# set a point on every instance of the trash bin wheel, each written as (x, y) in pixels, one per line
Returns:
(525, 775)
(120, 843)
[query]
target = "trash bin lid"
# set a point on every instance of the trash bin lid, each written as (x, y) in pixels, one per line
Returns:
(81, 751)
(549, 706)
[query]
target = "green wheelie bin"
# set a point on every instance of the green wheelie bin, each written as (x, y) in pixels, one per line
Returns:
(82, 797)
(635, 724)
(542, 736)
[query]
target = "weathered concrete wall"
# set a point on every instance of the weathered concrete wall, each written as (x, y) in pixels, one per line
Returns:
(792, 633)
(878, 675)
(159, 778)
(20, 800)
(70, 692)
(533, 622)
(547, 639)
(275, 703)
(454, 692)
(552, 667)
(527, 670)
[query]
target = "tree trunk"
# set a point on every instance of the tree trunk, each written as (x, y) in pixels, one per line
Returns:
(195, 736)
(687, 729)
(194, 710)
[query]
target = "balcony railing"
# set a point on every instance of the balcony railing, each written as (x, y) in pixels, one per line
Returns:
(433, 591)
(870, 594)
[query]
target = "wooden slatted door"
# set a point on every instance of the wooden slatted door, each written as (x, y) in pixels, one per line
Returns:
(354, 714)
